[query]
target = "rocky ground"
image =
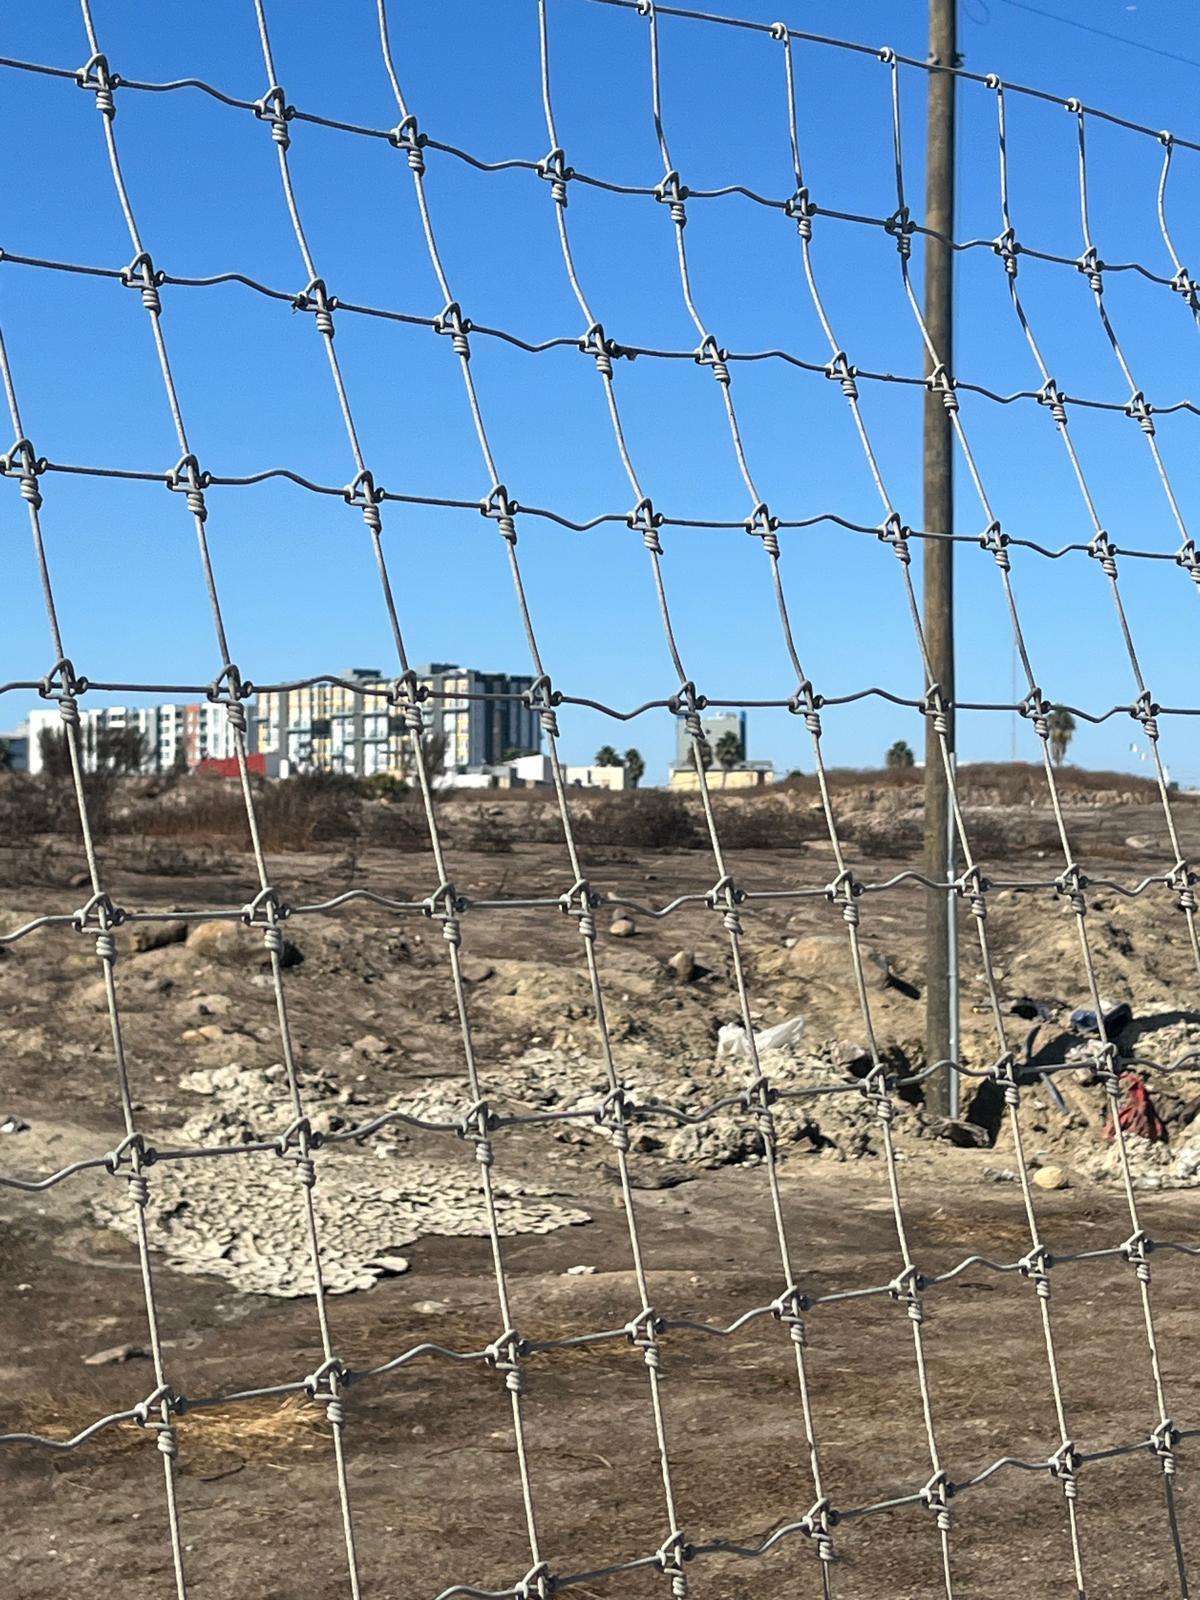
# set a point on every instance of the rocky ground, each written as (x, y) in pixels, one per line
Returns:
(404, 1242)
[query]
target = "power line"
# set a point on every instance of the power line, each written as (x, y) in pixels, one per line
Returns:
(1103, 33)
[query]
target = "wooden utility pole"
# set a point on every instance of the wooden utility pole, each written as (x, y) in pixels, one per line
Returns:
(941, 986)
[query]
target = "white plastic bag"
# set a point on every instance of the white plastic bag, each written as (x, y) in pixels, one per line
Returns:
(732, 1041)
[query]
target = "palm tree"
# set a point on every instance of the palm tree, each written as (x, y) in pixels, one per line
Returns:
(635, 767)
(729, 753)
(701, 754)
(606, 756)
(899, 757)
(1062, 729)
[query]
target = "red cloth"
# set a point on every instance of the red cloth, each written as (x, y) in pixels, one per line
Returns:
(1138, 1116)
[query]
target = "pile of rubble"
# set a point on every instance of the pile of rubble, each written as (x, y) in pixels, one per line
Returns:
(242, 1217)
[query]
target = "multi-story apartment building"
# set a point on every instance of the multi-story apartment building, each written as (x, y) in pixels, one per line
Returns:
(476, 718)
(169, 737)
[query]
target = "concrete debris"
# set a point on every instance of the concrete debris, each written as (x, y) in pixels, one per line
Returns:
(244, 1220)
(116, 1354)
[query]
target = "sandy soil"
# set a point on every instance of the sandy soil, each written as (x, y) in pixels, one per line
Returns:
(433, 1477)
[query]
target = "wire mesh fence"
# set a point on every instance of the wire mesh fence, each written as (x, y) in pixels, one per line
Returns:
(432, 167)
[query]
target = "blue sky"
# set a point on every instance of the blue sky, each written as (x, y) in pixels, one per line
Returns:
(295, 570)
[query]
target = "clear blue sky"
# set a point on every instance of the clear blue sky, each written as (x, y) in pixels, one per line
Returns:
(297, 581)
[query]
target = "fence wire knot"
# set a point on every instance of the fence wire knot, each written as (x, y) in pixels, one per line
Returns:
(95, 76)
(100, 917)
(671, 1556)
(615, 1113)
(1064, 1465)
(805, 703)
(1008, 248)
(726, 897)
(142, 275)
(936, 1495)
(1145, 710)
(997, 541)
(933, 706)
(973, 887)
(900, 226)
(893, 531)
(1092, 268)
(554, 169)
(274, 109)
(941, 382)
(229, 689)
(316, 298)
(1136, 1251)
(29, 466)
(1035, 1266)
(1037, 709)
(1182, 879)
(643, 1331)
(802, 210)
(602, 349)
(1071, 884)
(501, 510)
(476, 1123)
(539, 1583)
(905, 1289)
(1102, 549)
(187, 478)
(61, 684)
(1050, 395)
(1162, 1443)
(542, 697)
(408, 137)
(645, 520)
(503, 1355)
(451, 322)
(839, 370)
(763, 525)
(817, 1522)
(711, 355)
(845, 889)
(789, 1307)
(1141, 412)
(670, 192)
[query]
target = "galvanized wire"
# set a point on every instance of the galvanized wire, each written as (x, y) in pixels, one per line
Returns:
(618, 1110)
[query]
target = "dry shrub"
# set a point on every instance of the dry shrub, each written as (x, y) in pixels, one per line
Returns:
(651, 819)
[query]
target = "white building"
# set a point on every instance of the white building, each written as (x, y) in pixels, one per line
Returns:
(171, 736)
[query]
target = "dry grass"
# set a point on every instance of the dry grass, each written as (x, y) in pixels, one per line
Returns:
(212, 1441)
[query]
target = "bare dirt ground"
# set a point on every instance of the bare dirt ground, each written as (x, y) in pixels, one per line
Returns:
(431, 1462)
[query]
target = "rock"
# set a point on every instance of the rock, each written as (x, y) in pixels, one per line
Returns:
(1050, 1178)
(1134, 842)
(79, 880)
(233, 944)
(431, 1308)
(476, 971)
(207, 1033)
(968, 1135)
(388, 1266)
(579, 1272)
(157, 935)
(850, 1056)
(114, 1354)
(220, 941)
(14, 1125)
(683, 965)
(623, 928)
(372, 1045)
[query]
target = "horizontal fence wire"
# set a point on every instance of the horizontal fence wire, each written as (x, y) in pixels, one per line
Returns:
(511, 1356)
